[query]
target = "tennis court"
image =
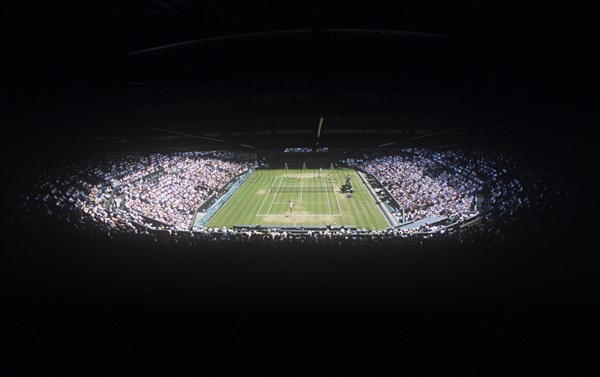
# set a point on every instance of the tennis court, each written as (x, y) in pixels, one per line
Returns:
(264, 198)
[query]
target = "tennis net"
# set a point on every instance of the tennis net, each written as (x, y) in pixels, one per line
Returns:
(286, 188)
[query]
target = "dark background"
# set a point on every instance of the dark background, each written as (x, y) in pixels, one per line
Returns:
(86, 77)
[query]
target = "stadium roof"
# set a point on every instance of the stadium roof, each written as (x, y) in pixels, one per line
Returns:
(99, 63)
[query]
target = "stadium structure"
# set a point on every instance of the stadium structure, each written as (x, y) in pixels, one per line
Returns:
(229, 142)
(325, 92)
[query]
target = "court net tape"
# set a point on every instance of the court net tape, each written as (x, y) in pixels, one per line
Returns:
(302, 188)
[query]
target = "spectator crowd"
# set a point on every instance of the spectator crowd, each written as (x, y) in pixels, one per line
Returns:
(154, 196)
(430, 183)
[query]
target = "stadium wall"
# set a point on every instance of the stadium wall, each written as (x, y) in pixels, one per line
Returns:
(235, 184)
(390, 218)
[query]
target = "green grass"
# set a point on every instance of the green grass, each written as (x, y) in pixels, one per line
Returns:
(264, 199)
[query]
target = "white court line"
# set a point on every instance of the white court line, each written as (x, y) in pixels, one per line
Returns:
(274, 197)
(326, 193)
(336, 197)
(263, 202)
(301, 187)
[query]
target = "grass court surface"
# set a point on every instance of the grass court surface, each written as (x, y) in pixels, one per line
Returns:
(265, 196)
